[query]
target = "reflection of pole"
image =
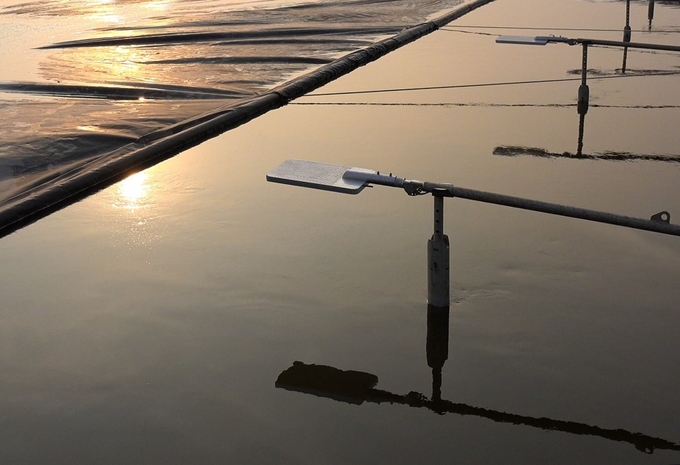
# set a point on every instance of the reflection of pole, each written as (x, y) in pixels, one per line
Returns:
(438, 258)
(650, 13)
(642, 442)
(583, 91)
(437, 345)
(581, 129)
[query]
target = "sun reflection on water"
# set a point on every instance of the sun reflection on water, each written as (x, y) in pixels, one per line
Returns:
(134, 190)
(133, 210)
(114, 12)
(103, 12)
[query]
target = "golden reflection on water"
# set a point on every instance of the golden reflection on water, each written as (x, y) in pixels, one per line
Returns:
(102, 64)
(123, 63)
(133, 190)
(131, 207)
(114, 12)
(101, 11)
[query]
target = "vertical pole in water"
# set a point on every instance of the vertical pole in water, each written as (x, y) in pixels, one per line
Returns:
(438, 300)
(583, 91)
(627, 34)
(438, 258)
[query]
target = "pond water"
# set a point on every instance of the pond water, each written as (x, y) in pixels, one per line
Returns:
(150, 323)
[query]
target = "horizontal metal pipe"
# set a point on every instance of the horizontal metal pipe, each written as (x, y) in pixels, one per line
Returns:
(553, 209)
(542, 40)
(616, 43)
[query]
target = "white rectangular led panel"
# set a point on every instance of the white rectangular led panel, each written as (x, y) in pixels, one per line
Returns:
(316, 175)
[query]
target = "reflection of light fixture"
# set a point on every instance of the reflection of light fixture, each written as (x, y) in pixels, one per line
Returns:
(608, 155)
(583, 91)
(358, 387)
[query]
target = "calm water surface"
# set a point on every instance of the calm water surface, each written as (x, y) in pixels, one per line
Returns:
(150, 322)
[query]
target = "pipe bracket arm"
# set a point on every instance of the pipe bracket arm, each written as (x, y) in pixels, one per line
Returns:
(663, 217)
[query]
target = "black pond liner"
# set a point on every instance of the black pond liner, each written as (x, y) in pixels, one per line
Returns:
(79, 180)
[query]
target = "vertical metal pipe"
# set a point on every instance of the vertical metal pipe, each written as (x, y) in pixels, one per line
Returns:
(626, 30)
(584, 64)
(438, 259)
(438, 215)
(627, 35)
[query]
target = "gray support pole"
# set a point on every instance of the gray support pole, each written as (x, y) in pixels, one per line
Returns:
(627, 35)
(659, 223)
(438, 259)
